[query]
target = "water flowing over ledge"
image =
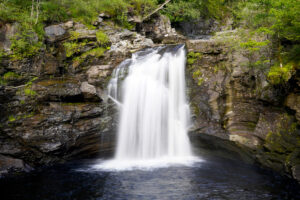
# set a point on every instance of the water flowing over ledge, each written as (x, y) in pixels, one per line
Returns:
(150, 89)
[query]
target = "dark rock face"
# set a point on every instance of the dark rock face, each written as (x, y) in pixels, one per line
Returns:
(159, 29)
(200, 29)
(53, 109)
(236, 103)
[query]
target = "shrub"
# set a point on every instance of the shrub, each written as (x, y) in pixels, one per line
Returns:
(10, 76)
(102, 38)
(279, 74)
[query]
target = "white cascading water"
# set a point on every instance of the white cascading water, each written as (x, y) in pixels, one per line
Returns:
(149, 89)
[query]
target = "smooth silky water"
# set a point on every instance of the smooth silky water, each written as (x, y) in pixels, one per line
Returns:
(149, 90)
(154, 158)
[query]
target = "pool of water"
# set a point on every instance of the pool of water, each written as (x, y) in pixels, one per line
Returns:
(212, 179)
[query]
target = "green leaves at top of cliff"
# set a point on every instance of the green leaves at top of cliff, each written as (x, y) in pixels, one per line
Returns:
(280, 21)
(31, 16)
(85, 11)
(279, 17)
(183, 10)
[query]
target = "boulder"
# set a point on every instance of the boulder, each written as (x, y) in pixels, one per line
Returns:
(7, 31)
(55, 33)
(126, 41)
(296, 172)
(89, 92)
(158, 28)
(8, 164)
(68, 25)
(86, 34)
(293, 102)
(98, 73)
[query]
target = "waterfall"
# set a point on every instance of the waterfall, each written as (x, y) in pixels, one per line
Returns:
(149, 89)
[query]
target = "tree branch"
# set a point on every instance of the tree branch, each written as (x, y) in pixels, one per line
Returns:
(156, 10)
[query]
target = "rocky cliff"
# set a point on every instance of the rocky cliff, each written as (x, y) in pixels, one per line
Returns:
(236, 103)
(54, 105)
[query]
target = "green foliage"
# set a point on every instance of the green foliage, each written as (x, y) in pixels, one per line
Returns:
(181, 10)
(73, 48)
(2, 55)
(102, 38)
(29, 92)
(198, 76)
(280, 74)
(253, 46)
(23, 46)
(279, 19)
(84, 11)
(11, 118)
(96, 53)
(53, 11)
(253, 49)
(10, 76)
(192, 57)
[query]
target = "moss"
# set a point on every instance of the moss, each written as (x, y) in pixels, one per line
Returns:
(200, 81)
(72, 48)
(191, 61)
(10, 76)
(29, 83)
(273, 142)
(28, 115)
(11, 118)
(220, 66)
(197, 75)
(193, 57)
(286, 138)
(29, 92)
(56, 82)
(102, 38)
(195, 109)
(2, 81)
(22, 102)
(280, 74)
(74, 35)
(96, 52)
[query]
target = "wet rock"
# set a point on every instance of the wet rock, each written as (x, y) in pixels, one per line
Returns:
(59, 89)
(127, 41)
(236, 103)
(8, 164)
(296, 172)
(98, 73)
(7, 31)
(89, 92)
(199, 29)
(51, 65)
(205, 46)
(86, 34)
(159, 29)
(55, 33)
(293, 102)
(61, 131)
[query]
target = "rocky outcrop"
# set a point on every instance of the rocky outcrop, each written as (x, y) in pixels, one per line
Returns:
(159, 29)
(7, 31)
(54, 105)
(236, 103)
